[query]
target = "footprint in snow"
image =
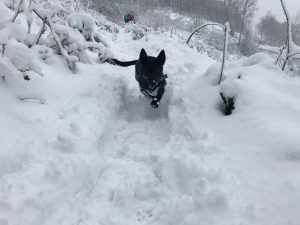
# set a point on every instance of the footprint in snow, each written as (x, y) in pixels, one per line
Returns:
(136, 107)
(64, 144)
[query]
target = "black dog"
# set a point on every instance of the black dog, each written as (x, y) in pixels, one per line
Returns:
(149, 75)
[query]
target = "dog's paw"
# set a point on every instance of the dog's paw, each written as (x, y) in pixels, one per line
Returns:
(154, 103)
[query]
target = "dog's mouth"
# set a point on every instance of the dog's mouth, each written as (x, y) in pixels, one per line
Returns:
(153, 85)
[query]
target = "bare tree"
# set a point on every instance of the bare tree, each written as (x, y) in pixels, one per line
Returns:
(247, 14)
(290, 50)
(296, 29)
(271, 31)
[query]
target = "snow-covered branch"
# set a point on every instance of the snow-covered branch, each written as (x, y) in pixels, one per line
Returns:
(17, 10)
(226, 38)
(203, 26)
(226, 28)
(271, 49)
(70, 35)
(71, 60)
(279, 52)
(293, 51)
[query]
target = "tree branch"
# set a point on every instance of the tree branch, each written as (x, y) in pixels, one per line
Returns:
(202, 26)
(226, 29)
(17, 12)
(71, 60)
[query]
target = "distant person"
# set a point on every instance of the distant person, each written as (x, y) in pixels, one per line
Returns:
(129, 17)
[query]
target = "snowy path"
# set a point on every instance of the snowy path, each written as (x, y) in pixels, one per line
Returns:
(97, 153)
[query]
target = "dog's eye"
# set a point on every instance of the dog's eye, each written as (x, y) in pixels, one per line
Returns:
(153, 81)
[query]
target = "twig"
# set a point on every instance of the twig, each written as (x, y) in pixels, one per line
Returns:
(3, 49)
(202, 26)
(17, 12)
(279, 56)
(42, 31)
(227, 29)
(24, 99)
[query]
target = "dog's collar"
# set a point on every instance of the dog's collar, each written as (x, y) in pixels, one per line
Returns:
(149, 91)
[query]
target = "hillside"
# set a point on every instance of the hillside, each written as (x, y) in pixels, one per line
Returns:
(86, 148)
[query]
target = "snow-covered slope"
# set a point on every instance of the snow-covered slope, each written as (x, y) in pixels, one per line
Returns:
(89, 149)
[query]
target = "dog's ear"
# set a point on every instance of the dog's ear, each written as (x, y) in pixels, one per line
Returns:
(143, 56)
(161, 58)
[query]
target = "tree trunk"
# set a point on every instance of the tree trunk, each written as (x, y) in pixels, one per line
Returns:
(243, 22)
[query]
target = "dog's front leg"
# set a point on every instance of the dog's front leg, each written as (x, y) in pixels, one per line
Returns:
(155, 100)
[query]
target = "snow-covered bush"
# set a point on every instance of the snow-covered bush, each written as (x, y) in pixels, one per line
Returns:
(21, 57)
(110, 9)
(136, 32)
(71, 40)
(7, 68)
(13, 31)
(59, 29)
(210, 51)
(73, 37)
(229, 91)
(108, 27)
(236, 77)
(59, 9)
(83, 23)
(16, 58)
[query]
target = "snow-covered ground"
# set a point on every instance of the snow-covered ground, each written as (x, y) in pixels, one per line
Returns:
(88, 149)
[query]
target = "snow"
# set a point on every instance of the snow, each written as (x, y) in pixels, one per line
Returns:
(230, 88)
(43, 12)
(17, 32)
(295, 51)
(98, 38)
(81, 21)
(89, 149)
(4, 13)
(44, 53)
(21, 56)
(272, 49)
(7, 68)
(9, 30)
(4, 36)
